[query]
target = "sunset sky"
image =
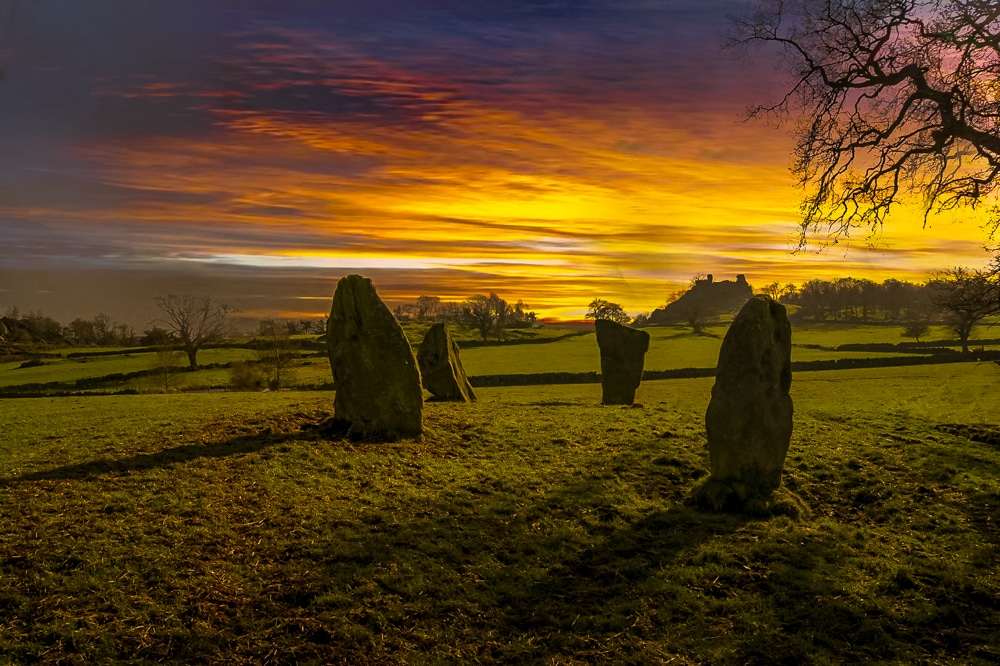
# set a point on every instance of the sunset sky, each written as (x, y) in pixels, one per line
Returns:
(548, 150)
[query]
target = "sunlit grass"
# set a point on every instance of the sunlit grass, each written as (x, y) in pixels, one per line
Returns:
(66, 370)
(534, 526)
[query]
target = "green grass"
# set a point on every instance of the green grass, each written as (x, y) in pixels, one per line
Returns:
(669, 348)
(68, 370)
(534, 526)
(834, 335)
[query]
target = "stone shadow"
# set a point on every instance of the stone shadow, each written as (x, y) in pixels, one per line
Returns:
(174, 455)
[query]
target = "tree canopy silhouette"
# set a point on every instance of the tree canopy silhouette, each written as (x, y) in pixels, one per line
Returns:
(893, 97)
(602, 309)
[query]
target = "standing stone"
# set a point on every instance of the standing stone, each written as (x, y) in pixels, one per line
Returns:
(440, 367)
(749, 418)
(623, 351)
(375, 375)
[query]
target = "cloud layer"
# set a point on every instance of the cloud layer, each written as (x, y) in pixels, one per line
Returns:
(545, 150)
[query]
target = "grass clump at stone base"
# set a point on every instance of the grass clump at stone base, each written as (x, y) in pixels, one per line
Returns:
(534, 526)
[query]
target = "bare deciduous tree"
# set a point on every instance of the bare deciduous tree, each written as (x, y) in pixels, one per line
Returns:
(275, 353)
(194, 321)
(891, 97)
(488, 314)
(966, 296)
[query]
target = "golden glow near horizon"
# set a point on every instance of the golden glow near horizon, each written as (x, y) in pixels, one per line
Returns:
(555, 203)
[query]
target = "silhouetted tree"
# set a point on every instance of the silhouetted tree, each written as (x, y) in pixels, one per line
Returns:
(194, 321)
(915, 329)
(602, 309)
(772, 290)
(405, 312)
(81, 331)
(967, 296)
(696, 318)
(504, 314)
(155, 336)
(521, 317)
(487, 314)
(427, 306)
(894, 96)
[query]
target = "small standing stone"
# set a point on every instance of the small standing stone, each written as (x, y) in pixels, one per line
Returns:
(623, 351)
(375, 375)
(441, 368)
(749, 418)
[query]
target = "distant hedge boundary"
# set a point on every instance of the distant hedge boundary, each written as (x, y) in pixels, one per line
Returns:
(691, 373)
(55, 389)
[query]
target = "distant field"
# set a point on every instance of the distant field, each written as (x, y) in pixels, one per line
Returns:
(534, 526)
(66, 369)
(550, 350)
(676, 347)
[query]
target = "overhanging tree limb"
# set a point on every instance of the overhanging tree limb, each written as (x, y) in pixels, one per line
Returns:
(892, 97)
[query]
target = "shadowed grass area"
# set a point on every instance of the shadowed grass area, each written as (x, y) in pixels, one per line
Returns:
(534, 526)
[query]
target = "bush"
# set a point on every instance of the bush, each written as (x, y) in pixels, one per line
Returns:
(245, 377)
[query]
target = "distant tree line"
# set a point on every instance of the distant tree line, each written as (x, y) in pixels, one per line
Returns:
(856, 300)
(489, 315)
(35, 327)
(17, 327)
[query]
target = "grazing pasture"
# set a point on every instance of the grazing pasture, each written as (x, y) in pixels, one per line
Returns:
(534, 526)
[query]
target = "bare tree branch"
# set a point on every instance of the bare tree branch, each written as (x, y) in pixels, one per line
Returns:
(891, 97)
(194, 320)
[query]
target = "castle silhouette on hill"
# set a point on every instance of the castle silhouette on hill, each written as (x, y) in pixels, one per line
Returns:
(706, 298)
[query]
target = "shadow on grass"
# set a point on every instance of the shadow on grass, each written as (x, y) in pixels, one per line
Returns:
(165, 458)
(687, 568)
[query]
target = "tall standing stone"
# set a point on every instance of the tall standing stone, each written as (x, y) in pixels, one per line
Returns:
(375, 375)
(623, 352)
(749, 418)
(441, 368)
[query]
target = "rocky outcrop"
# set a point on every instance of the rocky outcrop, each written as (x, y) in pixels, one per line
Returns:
(749, 418)
(441, 368)
(375, 375)
(623, 351)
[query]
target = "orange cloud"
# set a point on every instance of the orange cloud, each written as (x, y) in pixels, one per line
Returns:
(554, 204)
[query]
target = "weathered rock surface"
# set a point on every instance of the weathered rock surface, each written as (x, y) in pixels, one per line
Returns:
(623, 351)
(749, 418)
(375, 375)
(441, 368)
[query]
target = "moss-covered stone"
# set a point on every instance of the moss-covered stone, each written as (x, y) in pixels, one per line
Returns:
(441, 368)
(377, 383)
(749, 418)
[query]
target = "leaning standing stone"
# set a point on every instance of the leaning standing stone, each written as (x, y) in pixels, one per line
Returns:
(375, 375)
(441, 368)
(749, 418)
(623, 351)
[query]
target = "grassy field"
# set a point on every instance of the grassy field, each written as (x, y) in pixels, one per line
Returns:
(68, 369)
(568, 351)
(534, 526)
